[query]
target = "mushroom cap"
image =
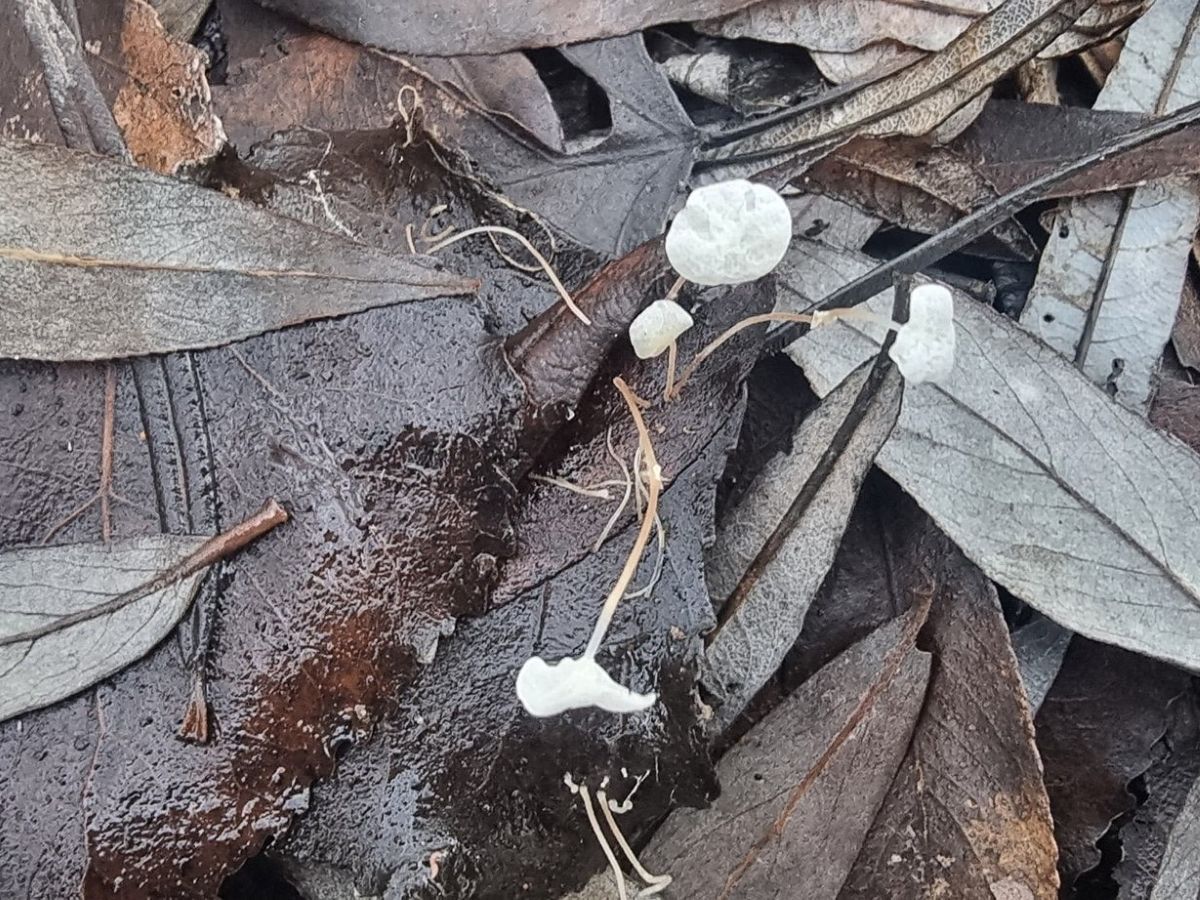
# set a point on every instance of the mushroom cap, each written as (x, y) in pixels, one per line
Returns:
(924, 346)
(657, 326)
(547, 689)
(729, 232)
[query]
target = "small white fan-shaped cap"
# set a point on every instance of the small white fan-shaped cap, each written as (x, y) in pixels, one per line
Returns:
(656, 326)
(547, 689)
(924, 346)
(729, 232)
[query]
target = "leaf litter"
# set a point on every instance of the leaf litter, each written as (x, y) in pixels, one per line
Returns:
(463, 481)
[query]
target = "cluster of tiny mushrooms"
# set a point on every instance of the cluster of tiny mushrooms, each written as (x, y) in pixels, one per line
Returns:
(729, 232)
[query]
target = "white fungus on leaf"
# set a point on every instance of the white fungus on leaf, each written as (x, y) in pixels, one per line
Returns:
(547, 689)
(729, 232)
(924, 346)
(657, 326)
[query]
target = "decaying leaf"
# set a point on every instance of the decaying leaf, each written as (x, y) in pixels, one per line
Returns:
(41, 585)
(1073, 503)
(1185, 336)
(1039, 646)
(175, 266)
(784, 805)
(918, 97)
(1088, 761)
(456, 27)
(1110, 278)
(766, 599)
(164, 107)
(967, 815)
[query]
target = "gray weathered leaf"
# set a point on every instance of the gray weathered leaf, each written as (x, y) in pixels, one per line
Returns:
(40, 585)
(1072, 502)
(1126, 252)
(102, 260)
(917, 98)
(752, 642)
(1040, 646)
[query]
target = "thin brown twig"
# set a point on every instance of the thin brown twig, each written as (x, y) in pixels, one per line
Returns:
(107, 432)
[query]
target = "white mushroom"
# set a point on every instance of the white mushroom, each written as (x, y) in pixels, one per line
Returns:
(547, 689)
(729, 232)
(924, 346)
(657, 327)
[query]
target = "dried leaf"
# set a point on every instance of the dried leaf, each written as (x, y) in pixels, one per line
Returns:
(915, 186)
(917, 98)
(164, 108)
(1177, 876)
(767, 599)
(967, 815)
(151, 284)
(41, 585)
(456, 27)
(1185, 336)
(1110, 278)
(181, 18)
(1088, 761)
(1176, 409)
(1070, 501)
(784, 806)
(283, 75)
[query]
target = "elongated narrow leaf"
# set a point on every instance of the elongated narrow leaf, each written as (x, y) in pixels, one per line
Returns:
(101, 260)
(1072, 502)
(1121, 259)
(774, 600)
(42, 585)
(919, 97)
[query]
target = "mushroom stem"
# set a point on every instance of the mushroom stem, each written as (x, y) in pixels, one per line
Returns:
(655, 883)
(653, 488)
(714, 345)
(676, 288)
(672, 358)
(608, 853)
(533, 251)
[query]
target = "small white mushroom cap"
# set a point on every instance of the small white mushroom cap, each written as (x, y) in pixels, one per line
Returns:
(547, 689)
(729, 232)
(924, 346)
(656, 326)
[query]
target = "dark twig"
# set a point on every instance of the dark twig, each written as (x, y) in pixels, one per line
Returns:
(215, 548)
(821, 471)
(980, 222)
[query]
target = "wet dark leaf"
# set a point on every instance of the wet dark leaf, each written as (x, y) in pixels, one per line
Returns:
(147, 283)
(1088, 761)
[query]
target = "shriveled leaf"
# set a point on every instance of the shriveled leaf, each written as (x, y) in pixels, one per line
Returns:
(1110, 278)
(1073, 503)
(456, 27)
(967, 815)
(173, 266)
(1185, 336)
(810, 493)
(1089, 758)
(163, 107)
(919, 97)
(1178, 874)
(181, 17)
(784, 805)
(41, 586)
(1176, 409)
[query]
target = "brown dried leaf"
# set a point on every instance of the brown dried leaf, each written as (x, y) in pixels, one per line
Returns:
(164, 107)
(967, 815)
